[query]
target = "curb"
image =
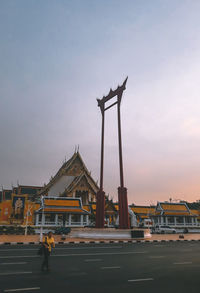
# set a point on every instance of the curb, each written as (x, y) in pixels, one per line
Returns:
(103, 241)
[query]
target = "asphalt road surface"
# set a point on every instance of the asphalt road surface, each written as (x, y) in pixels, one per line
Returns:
(138, 267)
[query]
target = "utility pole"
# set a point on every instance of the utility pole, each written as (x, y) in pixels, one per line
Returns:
(28, 213)
(41, 227)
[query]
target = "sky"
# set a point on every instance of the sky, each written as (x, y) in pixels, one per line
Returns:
(58, 57)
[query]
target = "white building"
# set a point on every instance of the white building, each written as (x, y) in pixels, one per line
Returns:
(177, 215)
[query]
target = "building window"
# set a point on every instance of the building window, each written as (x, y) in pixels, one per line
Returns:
(60, 219)
(170, 220)
(155, 220)
(76, 218)
(50, 218)
(179, 220)
(188, 220)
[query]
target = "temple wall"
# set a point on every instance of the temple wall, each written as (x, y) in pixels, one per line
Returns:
(6, 211)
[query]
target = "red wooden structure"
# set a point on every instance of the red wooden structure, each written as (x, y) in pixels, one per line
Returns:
(122, 191)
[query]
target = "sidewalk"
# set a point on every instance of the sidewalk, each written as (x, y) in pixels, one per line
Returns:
(34, 239)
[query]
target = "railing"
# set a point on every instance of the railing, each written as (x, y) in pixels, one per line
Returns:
(179, 224)
(67, 224)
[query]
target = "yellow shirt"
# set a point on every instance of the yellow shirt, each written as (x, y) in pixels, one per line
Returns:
(49, 242)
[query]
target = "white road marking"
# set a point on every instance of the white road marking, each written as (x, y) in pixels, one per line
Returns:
(63, 248)
(92, 259)
(183, 263)
(14, 273)
(19, 249)
(78, 254)
(108, 268)
(77, 274)
(93, 247)
(141, 280)
(22, 289)
(13, 263)
(102, 253)
(157, 256)
(18, 256)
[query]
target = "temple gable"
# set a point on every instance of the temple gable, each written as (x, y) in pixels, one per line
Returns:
(72, 180)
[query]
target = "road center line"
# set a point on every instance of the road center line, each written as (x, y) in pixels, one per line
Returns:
(77, 254)
(102, 253)
(183, 263)
(14, 273)
(13, 263)
(92, 259)
(93, 247)
(22, 289)
(157, 256)
(77, 274)
(141, 280)
(108, 268)
(62, 248)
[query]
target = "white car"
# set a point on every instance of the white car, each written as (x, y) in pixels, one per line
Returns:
(164, 230)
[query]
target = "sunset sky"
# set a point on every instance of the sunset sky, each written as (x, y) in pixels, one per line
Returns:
(57, 57)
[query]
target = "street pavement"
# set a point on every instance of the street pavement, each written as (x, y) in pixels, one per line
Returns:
(132, 267)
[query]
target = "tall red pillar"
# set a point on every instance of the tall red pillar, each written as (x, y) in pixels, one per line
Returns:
(123, 208)
(100, 209)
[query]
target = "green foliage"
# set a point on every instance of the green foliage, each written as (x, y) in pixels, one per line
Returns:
(62, 230)
(16, 230)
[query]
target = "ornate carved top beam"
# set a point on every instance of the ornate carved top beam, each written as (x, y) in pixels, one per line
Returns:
(112, 94)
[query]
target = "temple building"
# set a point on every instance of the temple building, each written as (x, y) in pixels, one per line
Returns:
(111, 212)
(177, 215)
(69, 200)
(72, 180)
(67, 197)
(143, 214)
(62, 211)
(65, 200)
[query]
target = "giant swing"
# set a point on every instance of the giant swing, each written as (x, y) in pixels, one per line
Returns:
(122, 191)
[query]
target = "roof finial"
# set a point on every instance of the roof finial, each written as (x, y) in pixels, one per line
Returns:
(78, 148)
(75, 149)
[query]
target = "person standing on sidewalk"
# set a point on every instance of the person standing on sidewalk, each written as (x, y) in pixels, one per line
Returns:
(48, 242)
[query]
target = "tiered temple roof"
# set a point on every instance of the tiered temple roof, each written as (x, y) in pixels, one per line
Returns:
(143, 212)
(71, 174)
(169, 209)
(63, 205)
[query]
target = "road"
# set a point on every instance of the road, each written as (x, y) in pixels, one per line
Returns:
(138, 267)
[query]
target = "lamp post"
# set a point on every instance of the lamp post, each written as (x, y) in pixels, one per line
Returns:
(41, 227)
(28, 213)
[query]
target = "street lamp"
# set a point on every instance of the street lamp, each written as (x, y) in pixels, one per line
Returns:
(28, 213)
(41, 227)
